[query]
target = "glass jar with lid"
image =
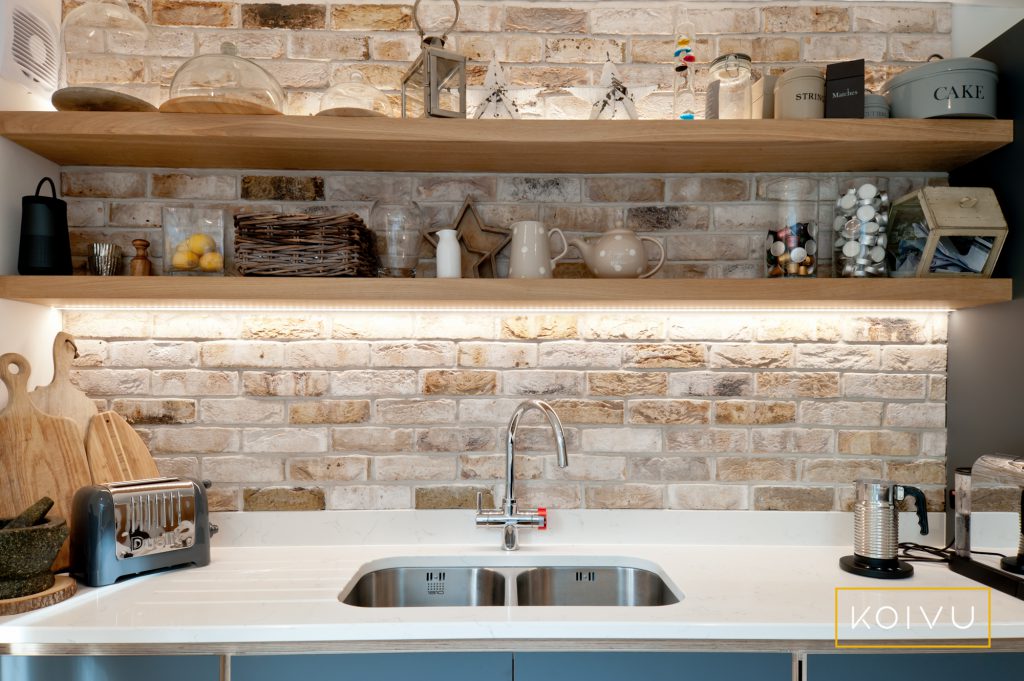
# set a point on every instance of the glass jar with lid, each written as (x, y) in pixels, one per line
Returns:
(859, 228)
(791, 247)
(354, 97)
(224, 83)
(730, 74)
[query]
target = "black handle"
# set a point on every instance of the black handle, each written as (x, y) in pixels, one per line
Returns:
(921, 506)
(53, 187)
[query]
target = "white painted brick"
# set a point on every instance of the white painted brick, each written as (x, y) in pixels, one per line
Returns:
(372, 383)
(153, 354)
(243, 469)
(580, 354)
(370, 497)
(326, 354)
(285, 440)
(241, 411)
(633, 440)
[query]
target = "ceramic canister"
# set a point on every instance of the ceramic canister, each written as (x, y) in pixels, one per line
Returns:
(800, 93)
(948, 88)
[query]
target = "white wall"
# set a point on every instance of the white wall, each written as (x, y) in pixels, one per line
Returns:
(975, 26)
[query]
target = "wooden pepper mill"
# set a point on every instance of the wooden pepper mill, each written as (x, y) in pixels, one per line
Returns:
(140, 264)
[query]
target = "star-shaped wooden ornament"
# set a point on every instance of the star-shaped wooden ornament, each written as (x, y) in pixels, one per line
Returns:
(480, 242)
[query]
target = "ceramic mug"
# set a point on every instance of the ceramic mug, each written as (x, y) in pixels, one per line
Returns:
(531, 252)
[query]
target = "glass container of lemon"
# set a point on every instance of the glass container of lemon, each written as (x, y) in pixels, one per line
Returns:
(193, 240)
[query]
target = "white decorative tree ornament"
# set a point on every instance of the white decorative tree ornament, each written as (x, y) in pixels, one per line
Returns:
(498, 99)
(612, 99)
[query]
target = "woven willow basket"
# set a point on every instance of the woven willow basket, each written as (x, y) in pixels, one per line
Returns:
(298, 245)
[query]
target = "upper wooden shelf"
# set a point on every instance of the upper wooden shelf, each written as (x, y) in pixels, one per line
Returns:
(533, 146)
(434, 294)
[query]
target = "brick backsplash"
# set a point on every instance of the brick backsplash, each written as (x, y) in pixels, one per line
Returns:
(345, 410)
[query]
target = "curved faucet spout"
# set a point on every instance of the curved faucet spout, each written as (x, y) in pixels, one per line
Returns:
(513, 427)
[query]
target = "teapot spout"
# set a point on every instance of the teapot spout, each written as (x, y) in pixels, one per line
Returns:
(585, 249)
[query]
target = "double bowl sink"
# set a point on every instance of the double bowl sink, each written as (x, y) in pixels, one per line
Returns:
(446, 585)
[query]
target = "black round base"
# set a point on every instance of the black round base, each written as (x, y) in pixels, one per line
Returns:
(879, 569)
(1014, 564)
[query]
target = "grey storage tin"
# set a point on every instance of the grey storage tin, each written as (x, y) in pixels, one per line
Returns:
(875, 106)
(949, 88)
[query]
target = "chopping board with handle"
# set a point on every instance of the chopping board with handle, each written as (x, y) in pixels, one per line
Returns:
(116, 452)
(61, 397)
(40, 455)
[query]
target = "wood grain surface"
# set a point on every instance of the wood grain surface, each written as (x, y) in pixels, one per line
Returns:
(63, 588)
(116, 452)
(61, 397)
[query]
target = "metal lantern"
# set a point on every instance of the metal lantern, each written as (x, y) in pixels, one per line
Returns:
(435, 84)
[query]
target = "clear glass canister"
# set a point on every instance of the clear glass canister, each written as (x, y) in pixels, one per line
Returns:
(193, 240)
(224, 83)
(791, 247)
(732, 71)
(858, 239)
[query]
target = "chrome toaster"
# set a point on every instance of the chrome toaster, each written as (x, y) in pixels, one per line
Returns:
(126, 528)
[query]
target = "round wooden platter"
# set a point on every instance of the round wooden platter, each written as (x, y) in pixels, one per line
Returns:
(97, 99)
(63, 588)
(215, 105)
(351, 112)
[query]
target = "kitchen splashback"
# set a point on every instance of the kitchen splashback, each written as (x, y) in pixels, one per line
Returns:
(357, 410)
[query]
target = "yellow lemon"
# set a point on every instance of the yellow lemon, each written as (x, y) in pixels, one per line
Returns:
(185, 260)
(183, 246)
(201, 243)
(211, 262)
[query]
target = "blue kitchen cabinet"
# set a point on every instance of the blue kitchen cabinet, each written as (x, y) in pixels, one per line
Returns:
(373, 667)
(653, 666)
(900, 666)
(109, 668)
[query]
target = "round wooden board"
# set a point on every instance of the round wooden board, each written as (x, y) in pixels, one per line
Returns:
(351, 112)
(97, 99)
(215, 105)
(63, 588)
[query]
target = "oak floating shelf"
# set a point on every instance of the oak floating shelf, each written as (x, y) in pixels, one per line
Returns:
(534, 294)
(533, 146)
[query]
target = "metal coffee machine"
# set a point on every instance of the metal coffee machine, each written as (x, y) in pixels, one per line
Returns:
(876, 529)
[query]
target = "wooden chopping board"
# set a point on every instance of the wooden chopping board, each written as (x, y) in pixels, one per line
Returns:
(40, 455)
(116, 452)
(61, 397)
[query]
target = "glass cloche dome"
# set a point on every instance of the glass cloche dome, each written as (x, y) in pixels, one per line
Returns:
(224, 83)
(355, 98)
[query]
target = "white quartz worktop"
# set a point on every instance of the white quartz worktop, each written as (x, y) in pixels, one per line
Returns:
(275, 579)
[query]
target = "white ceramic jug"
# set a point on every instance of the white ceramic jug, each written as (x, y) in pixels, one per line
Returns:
(531, 252)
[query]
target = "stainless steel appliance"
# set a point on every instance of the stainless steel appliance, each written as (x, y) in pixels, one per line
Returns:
(876, 529)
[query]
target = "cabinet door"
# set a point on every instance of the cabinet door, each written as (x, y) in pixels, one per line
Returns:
(374, 667)
(109, 668)
(653, 666)
(902, 666)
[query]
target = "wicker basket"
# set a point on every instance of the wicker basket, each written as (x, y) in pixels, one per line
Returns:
(298, 245)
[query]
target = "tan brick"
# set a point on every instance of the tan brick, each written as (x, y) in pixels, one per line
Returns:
(794, 440)
(412, 354)
(933, 443)
(455, 325)
(840, 470)
(91, 353)
(372, 439)
(272, 15)
(103, 184)
(538, 437)
(715, 19)
(545, 20)
(837, 357)
(666, 468)
(538, 327)
(885, 330)
(744, 469)
(324, 468)
(300, 74)
(327, 354)
(243, 469)
(707, 440)
(632, 20)
(155, 411)
(415, 412)
(1005, 499)
(459, 439)
(399, 48)
(627, 384)
(194, 383)
(655, 50)
(354, 326)
(279, 327)
(680, 412)
(664, 355)
(746, 412)
(455, 188)
(329, 411)
(630, 440)
(497, 355)
(579, 354)
(152, 354)
(452, 496)
(551, 78)
(194, 441)
(542, 383)
(83, 213)
(845, 413)
(370, 497)
(806, 19)
(283, 499)
(194, 325)
(793, 498)
(194, 13)
(223, 498)
(710, 384)
(492, 467)
(625, 496)
(241, 411)
(917, 472)
(284, 440)
(931, 415)
(105, 69)
(710, 327)
(448, 382)
(95, 382)
(707, 497)
(135, 215)
(490, 411)
(382, 17)
(584, 50)
(712, 247)
(586, 467)
(762, 49)
(241, 354)
(411, 467)
(937, 388)
(902, 19)
(285, 383)
(879, 443)
(186, 186)
(885, 386)
(751, 355)
(532, 494)
(802, 384)
(828, 48)
(914, 358)
(625, 189)
(382, 76)
(178, 466)
(589, 411)
(373, 383)
(250, 44)
(623, 327)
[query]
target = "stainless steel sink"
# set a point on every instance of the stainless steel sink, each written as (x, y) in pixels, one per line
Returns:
(419, 587)
(570, 585)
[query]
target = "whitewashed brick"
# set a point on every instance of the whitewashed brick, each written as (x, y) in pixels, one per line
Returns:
(933, 444)
(456, 325)
(886, 329)
(840, 413)
(879, 443)
(91, 353)
(498, 355)
(285, 383)
(152, 354)
(796, 440)
(885, 386)
(751, 355)
(329, 468)
(326, 354)
(829, 48)
(487, 410)
(243, 469)
(533, 494)
(632, 20)
(930, 415)
(194, 382)
(194, 325)
(241, 411)
(708, 497)
(586, 467)
(365, 325)
(283, 327)
(914, 358)
(370, 497)
(373, 383)
(542, 383)
(372, 439)
(710, 327)
(707, 440)
(919, 47)
(284, 440)
(625, 496)
(118, 382)
(108, 325)
(412, 354)
(241, 354)
(632, 440)
(710, 384)
(905, 18)
(415, 412)
(580, 354)
(492, 467)
(179, 440)
(406, 467)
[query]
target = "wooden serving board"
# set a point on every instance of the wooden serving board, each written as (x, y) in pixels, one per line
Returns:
(40, 455)
(63, 588)
(97, 99)
(215, 105)
(61, 397)
(116, 452)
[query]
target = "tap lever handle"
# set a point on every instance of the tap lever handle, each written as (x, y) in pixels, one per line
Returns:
(479, 502)
(920, 504)
(543, 513)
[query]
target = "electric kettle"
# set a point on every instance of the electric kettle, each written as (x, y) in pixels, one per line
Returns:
(876, 529)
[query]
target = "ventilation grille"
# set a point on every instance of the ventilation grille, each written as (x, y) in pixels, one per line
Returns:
(31, 57)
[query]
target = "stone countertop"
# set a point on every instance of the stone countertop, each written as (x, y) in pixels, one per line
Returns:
(766, 579)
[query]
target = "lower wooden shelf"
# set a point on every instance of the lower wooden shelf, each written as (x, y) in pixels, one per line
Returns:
(504, 294)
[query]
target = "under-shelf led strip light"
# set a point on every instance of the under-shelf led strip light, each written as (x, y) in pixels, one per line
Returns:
(497, 309)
